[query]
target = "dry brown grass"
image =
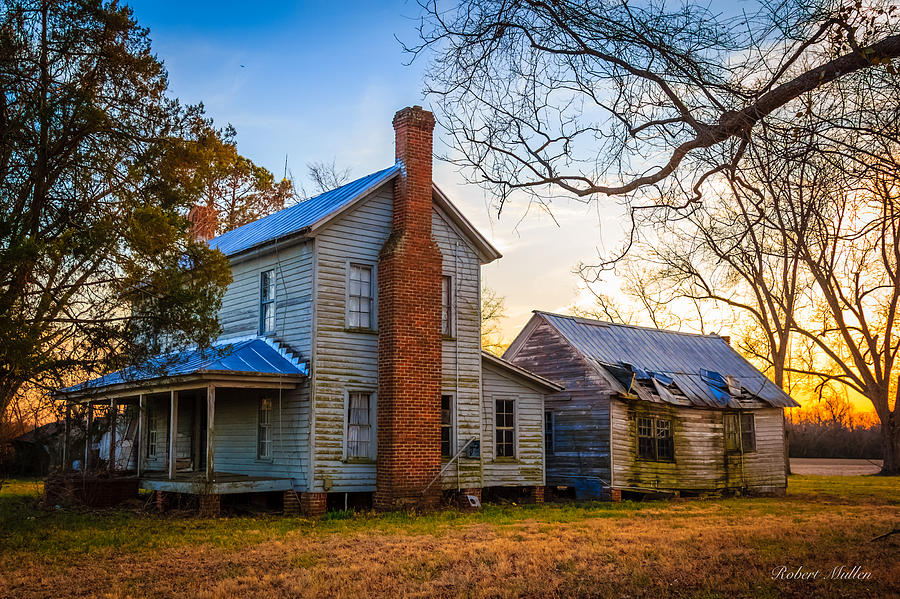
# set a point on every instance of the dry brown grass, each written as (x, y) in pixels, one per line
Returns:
(713, 548)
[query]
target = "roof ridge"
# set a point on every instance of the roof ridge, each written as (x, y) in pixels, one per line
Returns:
(597, 322)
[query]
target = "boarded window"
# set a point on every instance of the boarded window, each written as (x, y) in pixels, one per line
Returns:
(267, 302)
(447, 306)
(446, 426)
(359, 297)
(740, 432)
(549, 436)
(505, 429)
(655, 441)
(264, 429)
(359, 426)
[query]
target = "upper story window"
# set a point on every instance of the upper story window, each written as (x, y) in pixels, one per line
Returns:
(549, 437)
(447, 306)
(505, 428)
(264, 429)
(360, 297)
(655, 441)
(740, 432)
(446, 426)
(360, 441)
(267, 301)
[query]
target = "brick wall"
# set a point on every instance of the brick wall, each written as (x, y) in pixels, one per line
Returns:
(409, 322)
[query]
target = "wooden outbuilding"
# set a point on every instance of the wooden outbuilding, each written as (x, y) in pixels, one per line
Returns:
(651, 411)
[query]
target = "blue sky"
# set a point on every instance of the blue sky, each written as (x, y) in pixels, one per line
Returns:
(320, 81)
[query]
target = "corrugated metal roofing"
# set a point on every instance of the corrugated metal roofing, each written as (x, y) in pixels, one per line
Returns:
(686, 358)
(299, 216)
(254, 355)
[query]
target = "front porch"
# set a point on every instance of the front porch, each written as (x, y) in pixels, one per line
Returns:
(223, 483)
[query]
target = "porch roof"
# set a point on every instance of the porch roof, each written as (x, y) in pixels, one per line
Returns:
(250, 358)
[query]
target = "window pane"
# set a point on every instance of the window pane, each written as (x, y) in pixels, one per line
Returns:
(359, 426)
(548, 432)
(446, 425)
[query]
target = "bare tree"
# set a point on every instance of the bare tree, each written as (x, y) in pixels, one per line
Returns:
(594, 98)
(493, 310)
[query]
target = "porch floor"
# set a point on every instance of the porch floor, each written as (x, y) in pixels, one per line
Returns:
(223, 483)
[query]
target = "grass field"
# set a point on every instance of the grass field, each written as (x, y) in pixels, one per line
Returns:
(685, 548)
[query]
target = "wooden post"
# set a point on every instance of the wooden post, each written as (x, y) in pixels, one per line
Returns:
(65, 448)
(210, 431)
(139, 440)
(173, 432)
(87, 436)
(113, 413)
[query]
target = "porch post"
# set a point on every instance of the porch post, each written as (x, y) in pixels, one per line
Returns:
(173, 431)
(210, 431)
(65, 449)
(113, 413)
(139, 440)
(87, 436)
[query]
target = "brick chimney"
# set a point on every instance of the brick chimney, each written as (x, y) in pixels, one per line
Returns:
(204, 221)
(409, 325)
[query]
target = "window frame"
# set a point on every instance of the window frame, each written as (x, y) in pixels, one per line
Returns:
(451, 425)
(744, 430)
(448, 310)
(372, 297)
(264, 427)
(549, 426)
(372, 426)
(654, 439)
(267, 282)
(513, 429)
(152, 431)
(736, 432)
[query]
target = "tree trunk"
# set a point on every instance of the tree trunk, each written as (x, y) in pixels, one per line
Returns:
(890, 444)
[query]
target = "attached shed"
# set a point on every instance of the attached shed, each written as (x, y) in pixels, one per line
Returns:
(647, 410)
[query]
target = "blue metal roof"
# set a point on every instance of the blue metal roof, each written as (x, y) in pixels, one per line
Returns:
(299, 216)
(693, 362)
(254, 355)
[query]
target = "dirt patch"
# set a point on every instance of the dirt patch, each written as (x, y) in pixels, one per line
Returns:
(834, 467)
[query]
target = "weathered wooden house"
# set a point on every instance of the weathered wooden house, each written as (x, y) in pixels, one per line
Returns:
(350, 361)
(652, 411)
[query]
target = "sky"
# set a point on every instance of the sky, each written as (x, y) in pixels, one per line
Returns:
(320, 81)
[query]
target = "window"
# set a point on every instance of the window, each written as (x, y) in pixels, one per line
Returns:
(267, 301)
(359, 427)
(748, 432)
(359, 309)
(655, 440)
(548, 433)
(447, 306)
(152, 434)
(740, 432)
(264, 431)
(505, 430)
(446, 426)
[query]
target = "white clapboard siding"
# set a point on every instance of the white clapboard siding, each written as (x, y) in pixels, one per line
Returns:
(463, 347)
(345, 360)
(527, 468)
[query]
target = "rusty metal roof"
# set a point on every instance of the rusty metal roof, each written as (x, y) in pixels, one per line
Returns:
(705, 369)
